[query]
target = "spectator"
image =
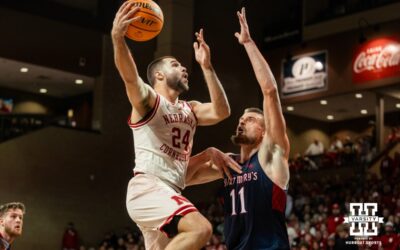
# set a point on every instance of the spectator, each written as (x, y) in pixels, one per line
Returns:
(319, 241)
(297, 164)
(335, 219)
(315, 148)
(336, 145)
(343, 236)
(394, 136)
(331, 243)
(387, 166)
(314, 154)
(304, 246)
(289, 205)
(334, 152)
(372, 135)
(364, 151)
(388, 200)
(348, 150)
(292, 234)
(390, 240)
(120, 244)
(70, 239)
(312, 162)
(397, 209)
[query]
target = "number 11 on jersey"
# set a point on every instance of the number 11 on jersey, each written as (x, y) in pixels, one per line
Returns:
(241, 197)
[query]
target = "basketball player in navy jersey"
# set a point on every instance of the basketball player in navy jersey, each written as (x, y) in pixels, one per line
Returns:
(255, 200)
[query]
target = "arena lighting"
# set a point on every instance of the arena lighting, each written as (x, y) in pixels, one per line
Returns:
(43, 90)
(70, 113)
(318, 65)
(23, 70)
(323, 102)
(330, 117)
(398, 105)
(289, 108)
(364, 111)
(358, 95)
(78, 81)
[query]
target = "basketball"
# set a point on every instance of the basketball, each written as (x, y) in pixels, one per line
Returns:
(150, 22)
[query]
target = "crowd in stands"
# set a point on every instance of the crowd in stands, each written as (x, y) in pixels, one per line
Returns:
(315, 209)
(128, 240)
(341, 152)
(394, 135)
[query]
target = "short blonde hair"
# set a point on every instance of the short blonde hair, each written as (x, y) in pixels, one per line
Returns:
(254, 110)
(12, 205)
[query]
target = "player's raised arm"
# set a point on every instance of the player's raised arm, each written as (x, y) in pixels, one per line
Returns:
(274, 151)
(141, 95)
(218, 109)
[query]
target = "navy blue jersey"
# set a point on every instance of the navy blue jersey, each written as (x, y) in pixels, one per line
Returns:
(254, 210)
(4, 245)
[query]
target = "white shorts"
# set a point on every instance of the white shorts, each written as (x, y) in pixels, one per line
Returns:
(152, 204)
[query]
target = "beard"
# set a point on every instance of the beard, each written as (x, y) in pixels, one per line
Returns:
(177, 84)
(242, 140)
(13, 231)
(182, 87)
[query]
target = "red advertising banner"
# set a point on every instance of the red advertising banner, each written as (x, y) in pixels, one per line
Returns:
(377, 59)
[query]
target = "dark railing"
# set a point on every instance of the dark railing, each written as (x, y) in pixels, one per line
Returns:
(14, 125)
(388, 147)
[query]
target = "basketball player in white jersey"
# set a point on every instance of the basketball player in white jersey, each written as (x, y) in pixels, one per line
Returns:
(163, 129)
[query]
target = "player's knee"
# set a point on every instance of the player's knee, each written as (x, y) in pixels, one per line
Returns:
(205, 230)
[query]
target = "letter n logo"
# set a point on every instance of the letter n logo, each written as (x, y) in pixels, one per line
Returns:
(179, 199)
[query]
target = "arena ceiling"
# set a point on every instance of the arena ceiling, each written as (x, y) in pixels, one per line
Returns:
(97, 14)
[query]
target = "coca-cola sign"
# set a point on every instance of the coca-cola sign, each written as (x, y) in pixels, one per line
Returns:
(377, 59)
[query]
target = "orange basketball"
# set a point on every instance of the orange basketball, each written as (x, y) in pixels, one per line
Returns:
(150, 22)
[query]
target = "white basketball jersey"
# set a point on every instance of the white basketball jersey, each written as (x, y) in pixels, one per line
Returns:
(163, 141)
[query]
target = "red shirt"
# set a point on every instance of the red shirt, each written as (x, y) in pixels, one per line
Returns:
(333, 222)
(390, 241)
(70, 240)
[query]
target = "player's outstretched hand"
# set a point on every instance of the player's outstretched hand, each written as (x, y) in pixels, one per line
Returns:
(201, 50)
(223, 162)
(123, 18)
(244, 35)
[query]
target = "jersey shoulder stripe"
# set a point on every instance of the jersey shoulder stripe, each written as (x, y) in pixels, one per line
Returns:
(191, 108)
(147, 117)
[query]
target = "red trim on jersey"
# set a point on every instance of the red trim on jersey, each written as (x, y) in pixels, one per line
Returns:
(147, 118)
(191, 108)
(180, 211)
(5, 241)
(278, 199)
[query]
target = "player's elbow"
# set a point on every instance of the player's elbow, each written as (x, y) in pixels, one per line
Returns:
(226, 113)
(269, 90)
(223, 113)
